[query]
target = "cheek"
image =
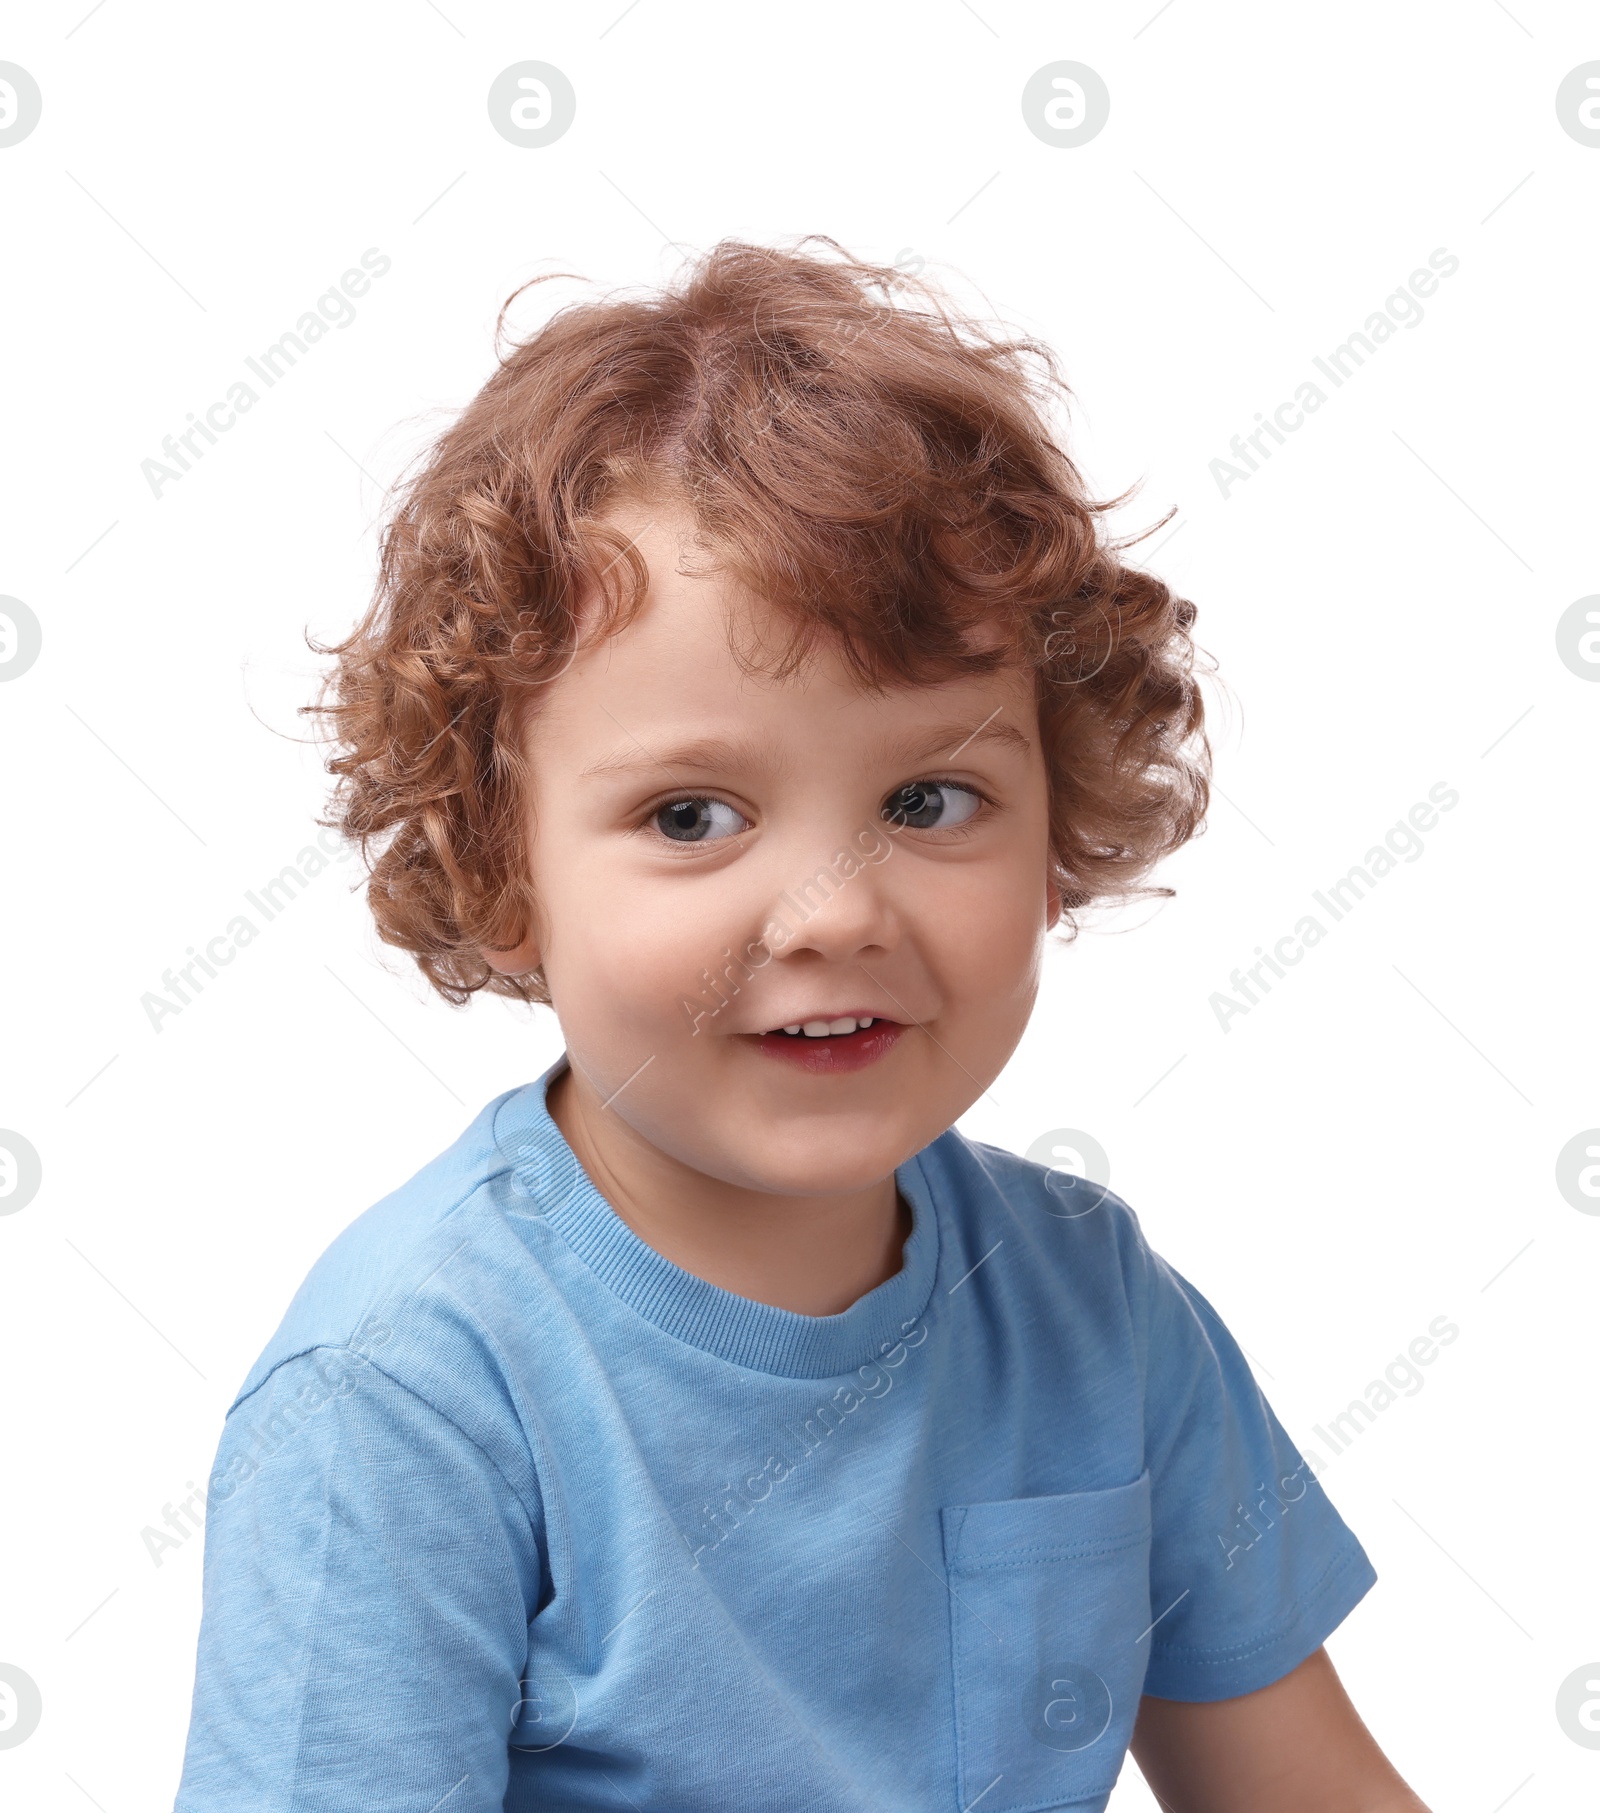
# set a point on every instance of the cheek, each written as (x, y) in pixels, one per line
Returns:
(630, 955)
(987, 927)
(684, 945)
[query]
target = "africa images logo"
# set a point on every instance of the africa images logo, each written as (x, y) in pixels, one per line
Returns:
(1402, 307)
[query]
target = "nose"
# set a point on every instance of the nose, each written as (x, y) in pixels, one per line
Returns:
(840, 908)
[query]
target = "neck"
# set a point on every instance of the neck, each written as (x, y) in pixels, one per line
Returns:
(815, 1255)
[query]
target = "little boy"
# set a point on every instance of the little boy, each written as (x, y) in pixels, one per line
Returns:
(713, 1427)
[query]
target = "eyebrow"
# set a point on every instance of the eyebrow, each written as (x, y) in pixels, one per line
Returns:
(707, 753)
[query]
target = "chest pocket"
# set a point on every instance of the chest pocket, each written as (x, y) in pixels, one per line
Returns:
(1049, 1617)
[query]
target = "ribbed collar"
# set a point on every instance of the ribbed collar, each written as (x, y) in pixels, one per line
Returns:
(738, 1329)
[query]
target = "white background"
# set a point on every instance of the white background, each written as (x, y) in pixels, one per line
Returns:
(1371, 1147)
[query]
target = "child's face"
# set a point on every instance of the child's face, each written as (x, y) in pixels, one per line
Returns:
(690, 818)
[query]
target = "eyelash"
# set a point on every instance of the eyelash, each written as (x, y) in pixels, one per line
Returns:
(946, 780)
(647, 819)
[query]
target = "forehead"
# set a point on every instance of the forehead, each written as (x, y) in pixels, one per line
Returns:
(698, 656)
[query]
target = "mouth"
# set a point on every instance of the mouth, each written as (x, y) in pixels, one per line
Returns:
(836, 1026)
(832, 1046)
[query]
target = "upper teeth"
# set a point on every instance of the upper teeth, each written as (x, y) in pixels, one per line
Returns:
(822, 1029)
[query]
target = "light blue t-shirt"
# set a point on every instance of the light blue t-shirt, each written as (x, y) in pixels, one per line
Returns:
(513, 1513)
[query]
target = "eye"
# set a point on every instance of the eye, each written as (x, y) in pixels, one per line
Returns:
(695, 820)
(931, 805)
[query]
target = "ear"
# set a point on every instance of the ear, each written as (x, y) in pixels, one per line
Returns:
(517, 960)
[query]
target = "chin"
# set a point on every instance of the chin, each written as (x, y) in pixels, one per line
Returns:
(805, 1161)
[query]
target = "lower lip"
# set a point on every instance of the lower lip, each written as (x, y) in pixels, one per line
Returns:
(833, 1056)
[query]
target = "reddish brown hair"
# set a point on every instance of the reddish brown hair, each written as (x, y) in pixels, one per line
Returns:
(884, 473)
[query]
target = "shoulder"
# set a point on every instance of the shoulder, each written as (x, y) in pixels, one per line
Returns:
(385, 1282)
(1082, 1248)
(1052, 1210)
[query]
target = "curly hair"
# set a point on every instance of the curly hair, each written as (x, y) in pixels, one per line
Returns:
(884, 473)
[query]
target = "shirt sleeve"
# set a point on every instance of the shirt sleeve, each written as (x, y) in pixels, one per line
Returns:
(1251, 1567)
(369, 1580)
